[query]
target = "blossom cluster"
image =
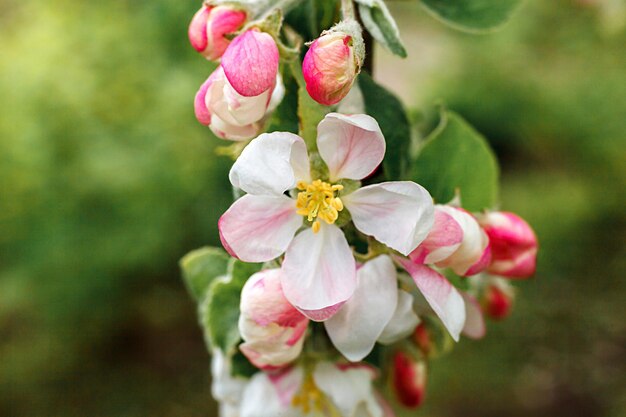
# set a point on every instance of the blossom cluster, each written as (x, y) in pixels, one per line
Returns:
(349, 262)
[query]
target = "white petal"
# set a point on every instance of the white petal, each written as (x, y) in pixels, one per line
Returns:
(259, 228)
(349, 388)
(403, 322)
(399, 214)
(356, 327)
(319, 269)
(225, 387)
(223, 130)
(474, 322)
(352, 146)
(266, 398)
(271, 164)
(443, 298)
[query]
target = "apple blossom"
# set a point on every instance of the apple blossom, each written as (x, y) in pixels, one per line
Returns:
(326, 389)
(319, 271)
(272, 329)
(456, 241)
(513, 245)
(211, 24)
(331, 65)
(409, 380)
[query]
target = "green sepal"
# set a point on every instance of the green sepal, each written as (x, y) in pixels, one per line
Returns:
(200, 267)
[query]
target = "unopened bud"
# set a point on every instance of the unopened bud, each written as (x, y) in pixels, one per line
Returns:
(332, 63)
(513, 245)
(409, 380)
(497, 300)
(209, 27)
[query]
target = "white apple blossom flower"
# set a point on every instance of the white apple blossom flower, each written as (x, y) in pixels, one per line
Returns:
(319, 271)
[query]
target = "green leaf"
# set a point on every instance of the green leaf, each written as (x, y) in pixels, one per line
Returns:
(311, 17)
(219, 312)
(472, 15)
(389, 112)
(381, 25)
(456, 157)
(285, 117)
(241, 366)
(200, 267)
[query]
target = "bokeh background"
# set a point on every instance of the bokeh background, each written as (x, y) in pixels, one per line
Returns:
(106, 180)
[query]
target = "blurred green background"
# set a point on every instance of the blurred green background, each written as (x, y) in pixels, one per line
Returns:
(106, 180)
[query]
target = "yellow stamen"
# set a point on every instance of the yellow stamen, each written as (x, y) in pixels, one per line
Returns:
(309, 398)
(317, 201)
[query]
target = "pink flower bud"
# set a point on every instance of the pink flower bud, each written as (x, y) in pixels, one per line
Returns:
(497, 300)
(330, 67)
(209, 27)
(409, 380)
(251, 63)
(422, 339)
(513, 245)
(272, 329)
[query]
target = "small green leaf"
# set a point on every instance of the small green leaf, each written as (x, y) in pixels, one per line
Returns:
(456, 157)
(472, 15)
(219, 312)
(200, 267)
(389, 112)
(381, 25)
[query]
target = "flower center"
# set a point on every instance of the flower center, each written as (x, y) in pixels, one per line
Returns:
(309, 398)
(317, 201)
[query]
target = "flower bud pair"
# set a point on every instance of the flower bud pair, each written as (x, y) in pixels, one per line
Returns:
(209, 27)
(332, 63)
(513, 245)
(456, 241)
(272, 329)
(243, 89)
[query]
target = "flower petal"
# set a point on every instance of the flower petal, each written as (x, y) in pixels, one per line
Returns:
(259, 228)
(352, 146)
(356, 327)
(443, 298)
(271, 164)
(399, 214)
(319, 270)
(403, 322)
(443, 240)
(251, 62)
(348, 388)
(275, 397)
(474, 320)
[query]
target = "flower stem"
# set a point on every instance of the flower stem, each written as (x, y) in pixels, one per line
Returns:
(347, 9)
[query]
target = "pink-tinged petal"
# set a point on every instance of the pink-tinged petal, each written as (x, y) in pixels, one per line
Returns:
(522, 266)
(224, 130)
(399, 214)
(474, 321)
(349, 388)
(271, 164)
(473, 246)
(403, 322)
(263, 301)
(275, 397)
(287, 383)
(362, 319)
(319, 270)
(443, 298)
(352, 146)
(203, 113)
(197, 29)
(443, 240)
(481, 264)
(251, 63)
(222, 21)
(322, 314)
(259, 228)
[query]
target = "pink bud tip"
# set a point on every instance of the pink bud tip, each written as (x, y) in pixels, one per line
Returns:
(409, 380)
(251, 63)
(330, 67)
(496, 303)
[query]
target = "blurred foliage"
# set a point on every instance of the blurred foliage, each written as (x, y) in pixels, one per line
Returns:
(107, 180)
